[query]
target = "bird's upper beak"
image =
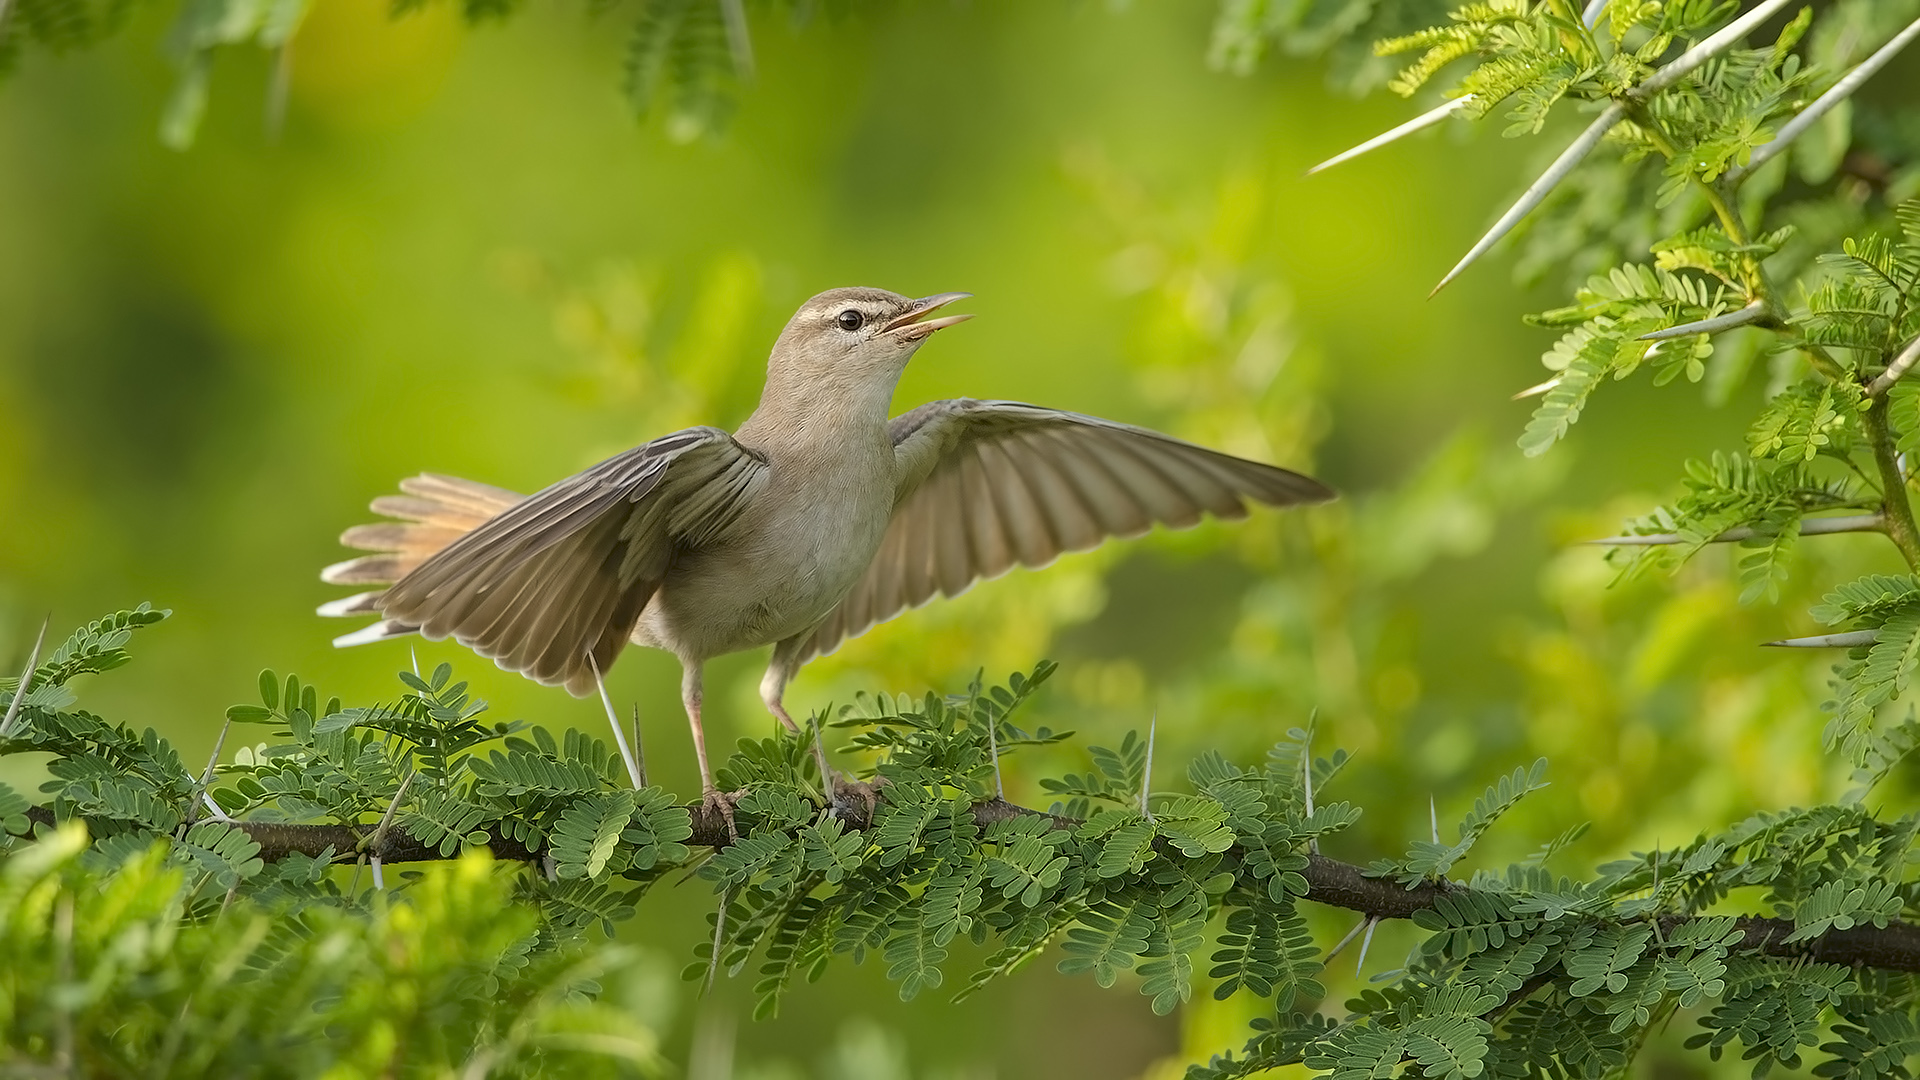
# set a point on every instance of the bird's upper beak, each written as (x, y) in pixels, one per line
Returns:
(909, 325)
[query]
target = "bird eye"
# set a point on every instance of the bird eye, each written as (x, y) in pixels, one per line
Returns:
(850, 320)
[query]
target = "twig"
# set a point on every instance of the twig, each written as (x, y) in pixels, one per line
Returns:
(1808, 527)
(1835, 94)
(1895, 506)
(1895, 947)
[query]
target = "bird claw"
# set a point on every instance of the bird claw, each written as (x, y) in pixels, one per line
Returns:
(715, 801)
(847, 793)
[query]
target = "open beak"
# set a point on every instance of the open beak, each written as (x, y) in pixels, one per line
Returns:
(914, 324)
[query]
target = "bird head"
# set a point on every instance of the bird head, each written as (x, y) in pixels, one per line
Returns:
(844, 351)
(862, 331)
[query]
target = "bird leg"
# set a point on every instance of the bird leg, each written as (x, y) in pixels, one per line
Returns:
(711, 797)
(773, 686)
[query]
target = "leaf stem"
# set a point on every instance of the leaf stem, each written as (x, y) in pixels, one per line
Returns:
(1896, 507)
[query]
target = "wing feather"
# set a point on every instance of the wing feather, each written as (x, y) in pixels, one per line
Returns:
(539, 583)
(987, 484)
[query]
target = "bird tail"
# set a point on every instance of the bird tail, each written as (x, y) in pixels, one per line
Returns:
(433, 512)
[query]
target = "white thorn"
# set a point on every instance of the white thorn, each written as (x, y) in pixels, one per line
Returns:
(1901, 364)
(1835, 94)
(1591, 16)
(719, 925)
(379, 883)
(1706, 50)
(1541, 188)
(1365, 944)
(1306, 782)
(1433, 819)
(1809, 527)
(993, 749)
(1419, 123)
(413, 655)
(1146, 774)
(1741, 317)
(1850, 640)
(1345, 941)
(214, 808)
(26, 678)
(739, 40)
(619, 736)
(1537, 389)
(386, 819)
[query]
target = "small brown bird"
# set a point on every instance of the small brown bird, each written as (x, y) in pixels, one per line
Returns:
(817, 519)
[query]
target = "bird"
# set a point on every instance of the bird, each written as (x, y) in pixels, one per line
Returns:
(817, 518)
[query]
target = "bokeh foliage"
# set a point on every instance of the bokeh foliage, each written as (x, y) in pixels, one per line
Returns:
(327, 316)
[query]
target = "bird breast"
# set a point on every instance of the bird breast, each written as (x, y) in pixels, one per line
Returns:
(787, 563)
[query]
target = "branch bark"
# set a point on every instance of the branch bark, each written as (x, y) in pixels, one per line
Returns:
(1896, 947)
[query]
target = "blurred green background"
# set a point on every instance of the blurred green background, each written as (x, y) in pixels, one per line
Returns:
(460, 253)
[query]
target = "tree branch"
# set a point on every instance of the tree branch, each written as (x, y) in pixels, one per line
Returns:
(1897, 508)
(1895, 947)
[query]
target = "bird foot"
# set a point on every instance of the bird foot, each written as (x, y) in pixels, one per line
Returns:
(849, 794)
(715, 801)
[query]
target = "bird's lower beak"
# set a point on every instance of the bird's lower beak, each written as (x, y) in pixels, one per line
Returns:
(914, 324)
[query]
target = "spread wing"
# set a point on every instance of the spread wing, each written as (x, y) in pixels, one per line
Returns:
(988, 484)
(539, 583)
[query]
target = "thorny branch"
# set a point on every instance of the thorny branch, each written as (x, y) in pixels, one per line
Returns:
(1895, 947)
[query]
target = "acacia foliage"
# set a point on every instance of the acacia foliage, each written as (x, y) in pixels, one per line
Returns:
(152, 926)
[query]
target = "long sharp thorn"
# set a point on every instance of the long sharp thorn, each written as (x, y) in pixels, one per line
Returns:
(379, 883)
(26, 677)
(1849, 640)
(386, 819)
(619, 736)
(993, 749)
(1146, 774)
(1537, 389)
(1536, 194)
(1433, 819)
(1852, 523)
(413, 654)
(1901, 364)
(739, 39)
(206, 778)
(1706, 50)
(1835, 94)
(1740, 317)
(1306, 783)
(1591, 16)
(1419, 123)
(1365, 944)
(719, 928)
(1345, 941)
(214, 808)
